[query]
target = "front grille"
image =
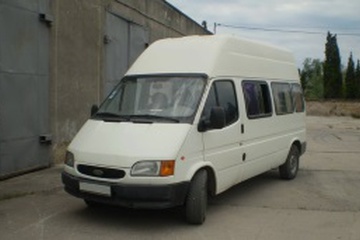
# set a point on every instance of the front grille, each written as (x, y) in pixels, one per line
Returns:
(101, 172)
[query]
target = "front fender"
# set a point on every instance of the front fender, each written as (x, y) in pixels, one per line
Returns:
(212, 180)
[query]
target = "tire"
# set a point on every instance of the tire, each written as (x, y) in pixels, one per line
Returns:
(290, 168)
(196, 201)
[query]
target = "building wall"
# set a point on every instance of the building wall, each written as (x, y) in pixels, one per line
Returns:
(77, 54)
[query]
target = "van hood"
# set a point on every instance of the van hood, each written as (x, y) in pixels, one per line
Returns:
(121, 144)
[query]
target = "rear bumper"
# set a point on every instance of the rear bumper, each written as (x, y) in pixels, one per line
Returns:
(134, 196)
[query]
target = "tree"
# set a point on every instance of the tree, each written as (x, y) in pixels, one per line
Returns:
(357, 79)
(303, 78)
(350, 83)
(311, 77)
(332, 69)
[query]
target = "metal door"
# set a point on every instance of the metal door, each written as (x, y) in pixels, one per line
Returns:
(125, 41)
(24, 84)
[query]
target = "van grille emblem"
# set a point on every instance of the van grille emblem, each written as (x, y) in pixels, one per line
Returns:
(98, 172)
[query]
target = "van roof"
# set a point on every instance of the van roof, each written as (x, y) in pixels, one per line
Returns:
(215, 56)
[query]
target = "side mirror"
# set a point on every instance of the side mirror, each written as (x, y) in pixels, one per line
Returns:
(216, 121)
(94, 109)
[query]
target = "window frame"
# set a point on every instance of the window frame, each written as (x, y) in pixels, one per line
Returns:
(120, 87)
(265, 100)
(294, 99)
(217, 101)
(276, 101)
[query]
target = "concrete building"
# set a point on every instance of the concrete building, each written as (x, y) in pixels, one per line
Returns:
(58, 57)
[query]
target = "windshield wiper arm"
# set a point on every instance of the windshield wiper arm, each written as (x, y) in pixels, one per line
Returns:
(109, 116)
(149, 116)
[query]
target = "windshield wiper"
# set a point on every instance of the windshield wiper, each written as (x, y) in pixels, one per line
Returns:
(110, 117)
(113, 117)
(149, 116)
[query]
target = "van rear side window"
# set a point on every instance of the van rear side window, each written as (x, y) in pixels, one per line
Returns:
(257, 99)
(282, 98)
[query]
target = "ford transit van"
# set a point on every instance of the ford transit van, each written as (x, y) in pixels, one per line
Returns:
(192, 117)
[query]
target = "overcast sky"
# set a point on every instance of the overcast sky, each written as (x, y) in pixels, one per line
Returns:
(337, 16)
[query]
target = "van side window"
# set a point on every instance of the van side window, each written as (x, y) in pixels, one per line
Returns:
(298, 97)
(222, 94)
(282, 98)
(257, 99)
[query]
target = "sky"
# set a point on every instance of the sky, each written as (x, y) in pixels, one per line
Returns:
(341, 17)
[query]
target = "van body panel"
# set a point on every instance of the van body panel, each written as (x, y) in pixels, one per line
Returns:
(216, 56)
(121, 144)
(267, 141)
(222, 148)
(190, 157)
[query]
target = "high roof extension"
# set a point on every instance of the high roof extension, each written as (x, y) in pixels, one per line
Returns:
(216, 56)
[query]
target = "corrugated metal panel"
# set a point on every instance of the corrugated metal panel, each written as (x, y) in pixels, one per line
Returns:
(30, 5)
(116, 50)
(125, 41)
(24, 86)
(139, 38)
(19, 36)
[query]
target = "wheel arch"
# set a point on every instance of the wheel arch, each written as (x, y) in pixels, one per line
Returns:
(211, 178)
(211, 181)
(297, 144)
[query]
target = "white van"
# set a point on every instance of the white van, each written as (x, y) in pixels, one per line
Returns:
(192, 117)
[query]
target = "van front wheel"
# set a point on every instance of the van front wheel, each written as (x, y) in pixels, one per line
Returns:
(196, 201)
(290, 168)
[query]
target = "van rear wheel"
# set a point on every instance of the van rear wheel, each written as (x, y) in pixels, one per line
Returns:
(196, 201)
(290, 168)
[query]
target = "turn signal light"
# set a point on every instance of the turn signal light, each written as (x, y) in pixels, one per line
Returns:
(167, 168)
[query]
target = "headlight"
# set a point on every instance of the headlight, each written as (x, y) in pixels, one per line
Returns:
(153, 168)
(69, 159)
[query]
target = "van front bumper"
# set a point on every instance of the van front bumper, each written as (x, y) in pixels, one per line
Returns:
(133, 196)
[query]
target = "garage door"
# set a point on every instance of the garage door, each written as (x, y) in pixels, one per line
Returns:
(125, 41)
(24, 86)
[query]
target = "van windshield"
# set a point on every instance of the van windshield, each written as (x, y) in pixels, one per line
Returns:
(153, 99)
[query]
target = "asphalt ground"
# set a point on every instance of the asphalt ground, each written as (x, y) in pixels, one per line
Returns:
(323, 202)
